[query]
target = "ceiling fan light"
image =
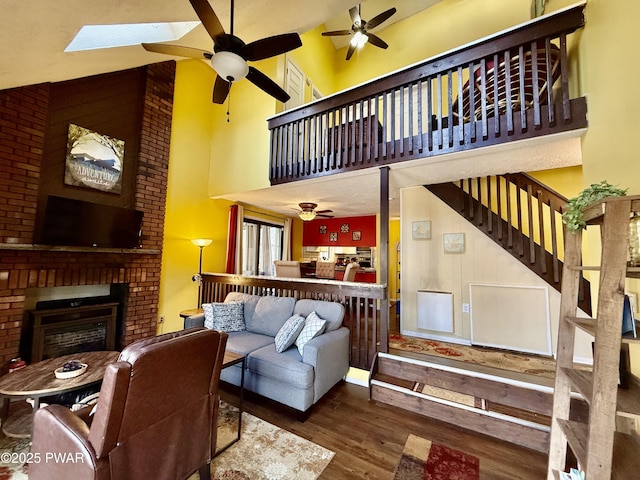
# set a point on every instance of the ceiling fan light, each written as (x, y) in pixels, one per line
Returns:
(307, 215)
(230, 66)
(362, 40)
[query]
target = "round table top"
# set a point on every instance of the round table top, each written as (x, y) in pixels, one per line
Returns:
(39, 379)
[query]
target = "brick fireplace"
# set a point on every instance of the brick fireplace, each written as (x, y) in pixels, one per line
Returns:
(32, 120)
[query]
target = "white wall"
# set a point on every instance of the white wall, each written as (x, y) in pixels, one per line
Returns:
(426, 266)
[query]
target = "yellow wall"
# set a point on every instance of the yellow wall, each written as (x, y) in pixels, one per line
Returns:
(190, 213)
(237, 152)
(445, 26)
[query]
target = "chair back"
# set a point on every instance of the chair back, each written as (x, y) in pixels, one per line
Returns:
(169, 400)
(287, 268)
(350, 272)
(325, 269)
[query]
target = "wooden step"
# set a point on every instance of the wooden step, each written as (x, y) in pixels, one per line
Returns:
(489, 404)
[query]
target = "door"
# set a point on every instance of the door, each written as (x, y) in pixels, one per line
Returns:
(294, 85)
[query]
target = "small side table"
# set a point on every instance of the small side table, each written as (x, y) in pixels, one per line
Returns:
(184, 314)
(231, 359)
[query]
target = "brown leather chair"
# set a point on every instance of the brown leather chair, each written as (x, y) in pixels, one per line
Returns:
(156, 417)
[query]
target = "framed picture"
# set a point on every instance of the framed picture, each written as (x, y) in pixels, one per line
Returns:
(344, 228)
(322, 229)
(93, 160)
(421, 230)
(333, 237)
(453, 242)
(356, 235)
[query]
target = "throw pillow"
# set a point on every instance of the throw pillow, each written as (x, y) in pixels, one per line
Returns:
(313, 326)
(289, 332)
(226, 317)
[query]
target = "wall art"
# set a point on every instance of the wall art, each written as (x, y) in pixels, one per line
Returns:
(93, 160)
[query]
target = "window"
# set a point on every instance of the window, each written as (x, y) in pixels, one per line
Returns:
(261, 246)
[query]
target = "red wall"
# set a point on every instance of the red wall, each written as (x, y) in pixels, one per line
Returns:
(312, 236)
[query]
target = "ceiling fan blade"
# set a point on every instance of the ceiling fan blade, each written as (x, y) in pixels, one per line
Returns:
(323, 211)
(378, 19)
(263, 82)
(208, 18)
(377, 41)
(352, 48)
(354, 13)
(335, 33)
(270, 46)
(323, 215)
(220, 90)
(178, 50)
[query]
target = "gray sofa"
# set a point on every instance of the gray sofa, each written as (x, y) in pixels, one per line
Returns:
(292, 379)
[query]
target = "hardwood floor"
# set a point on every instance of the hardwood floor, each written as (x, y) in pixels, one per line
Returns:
(368, 437)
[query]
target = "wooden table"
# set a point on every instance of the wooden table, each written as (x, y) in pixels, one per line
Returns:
(230, 359)
(38, 380)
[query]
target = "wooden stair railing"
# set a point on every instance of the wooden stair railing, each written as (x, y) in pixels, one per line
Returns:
(521, 215)
(507, 87)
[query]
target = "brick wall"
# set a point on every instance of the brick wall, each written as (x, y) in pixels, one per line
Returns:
(23, 128)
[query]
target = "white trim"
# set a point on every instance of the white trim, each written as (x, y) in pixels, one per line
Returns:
(471, 373)
(442, 338)
(487, 413)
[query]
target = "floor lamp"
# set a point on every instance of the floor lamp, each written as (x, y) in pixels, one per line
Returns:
(201, 243)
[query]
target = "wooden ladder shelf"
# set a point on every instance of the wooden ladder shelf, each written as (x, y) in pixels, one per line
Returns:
(601, 452)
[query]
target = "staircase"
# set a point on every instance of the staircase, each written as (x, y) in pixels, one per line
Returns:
(521, 215)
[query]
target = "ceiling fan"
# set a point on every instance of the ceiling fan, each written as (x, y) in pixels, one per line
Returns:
(231, 54)
(308, 211)
(360, 30)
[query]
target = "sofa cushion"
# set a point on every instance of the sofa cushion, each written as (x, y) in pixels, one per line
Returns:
(226, 317)
(286, 367)
(332, 312)
(249, 301)
(287, 335)
(313, 326)
(246, 342)
(270, 314)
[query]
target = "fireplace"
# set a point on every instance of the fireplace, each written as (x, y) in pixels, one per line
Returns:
(64, 326)
(62, 331)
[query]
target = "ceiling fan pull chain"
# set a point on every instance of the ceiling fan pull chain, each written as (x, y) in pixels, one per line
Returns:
(228, 106)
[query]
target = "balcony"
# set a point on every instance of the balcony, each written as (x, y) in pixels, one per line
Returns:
(511, 86)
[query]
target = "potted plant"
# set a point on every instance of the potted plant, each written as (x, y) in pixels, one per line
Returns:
(573, 216)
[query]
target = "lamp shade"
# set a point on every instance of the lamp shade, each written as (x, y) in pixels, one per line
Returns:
(229, 66)
(201, 242)
(307, 215)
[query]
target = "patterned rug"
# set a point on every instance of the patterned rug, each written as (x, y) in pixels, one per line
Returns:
(264, 452)
(423, 459)
(490, 357)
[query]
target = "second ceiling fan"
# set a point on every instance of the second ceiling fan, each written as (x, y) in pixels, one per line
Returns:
(360, 30)
(231, 54)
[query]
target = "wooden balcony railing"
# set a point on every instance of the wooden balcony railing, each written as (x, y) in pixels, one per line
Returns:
(511, 86)
(366, 322)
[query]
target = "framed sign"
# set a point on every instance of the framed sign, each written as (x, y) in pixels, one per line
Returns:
(421, 230)
(93, 160)
(453, 242)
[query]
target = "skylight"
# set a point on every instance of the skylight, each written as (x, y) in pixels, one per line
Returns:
(91, 37)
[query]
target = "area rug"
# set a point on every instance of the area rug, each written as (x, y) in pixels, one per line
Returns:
(264, 452)
(423, 459)
(490, 357)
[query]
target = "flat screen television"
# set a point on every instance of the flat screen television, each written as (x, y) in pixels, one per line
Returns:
(71, 222)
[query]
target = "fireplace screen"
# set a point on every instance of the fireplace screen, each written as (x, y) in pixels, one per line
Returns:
(63, 331)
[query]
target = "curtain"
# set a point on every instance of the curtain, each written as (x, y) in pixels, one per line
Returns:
(286, 240)
(234, 240)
